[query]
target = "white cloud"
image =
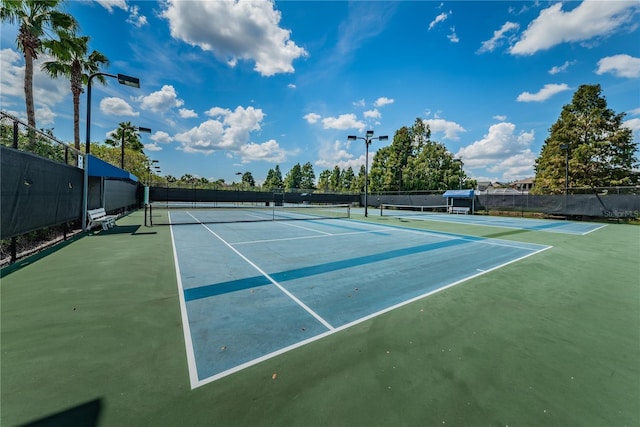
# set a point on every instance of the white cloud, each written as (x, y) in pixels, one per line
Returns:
(161, 137)
(135, 18)
(562, 68)
(500, 117)
(620, 66)
(291, 86)
(501, 151)
(217, 112)
(235, 30)
(116, 107)
(359, 103)
(47, 92)
(372, 114)
(515, 167)
(187, 114)
(152, 147)
(269, 151)
(440, 18)
(343, 122)
(162, 100)
(337, 153)
(134, 11)
(44, 116)
(312, 117)
(226, 130)
(498, 37)
(543, 94)
(635, 111)
(12, 76)
(382, 101)
(633, 124)
(111, 4)
(364, 21)
(449, 129)
(453, 37)
(590, 19)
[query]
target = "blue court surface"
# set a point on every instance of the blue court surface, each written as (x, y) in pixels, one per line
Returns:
(548, 225)
(250, 291)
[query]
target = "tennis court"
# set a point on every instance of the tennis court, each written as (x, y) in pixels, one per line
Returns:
(250, 291)
(547, 225)
(96, 328)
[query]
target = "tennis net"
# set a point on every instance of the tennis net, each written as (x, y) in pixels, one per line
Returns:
(174, 213)
(409, 210)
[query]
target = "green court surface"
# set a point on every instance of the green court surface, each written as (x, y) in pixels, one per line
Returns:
(92, 333)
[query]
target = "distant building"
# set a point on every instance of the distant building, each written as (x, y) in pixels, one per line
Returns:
(484, 185)
(524, 184)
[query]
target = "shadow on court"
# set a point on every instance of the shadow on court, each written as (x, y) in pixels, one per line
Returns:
(84, 415)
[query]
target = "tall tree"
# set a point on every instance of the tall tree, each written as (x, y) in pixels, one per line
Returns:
(346, 179)
(308, 179)
(381, 175)
(274, 179)
(72, 60)
(247, 180)
(36, 19)
(414, 162)
(131, 137)
(600, 150)
(294, 177)
(357, 186)
(324, 180)
(334, 179)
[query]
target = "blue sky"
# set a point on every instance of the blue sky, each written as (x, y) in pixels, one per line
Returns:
(231, 87)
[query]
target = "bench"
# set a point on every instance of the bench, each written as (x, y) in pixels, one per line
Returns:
(100, 217)
(458, 210)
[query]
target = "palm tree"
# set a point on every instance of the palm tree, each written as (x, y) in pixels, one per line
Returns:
(131, 137)
(36, 18)
(71, 60)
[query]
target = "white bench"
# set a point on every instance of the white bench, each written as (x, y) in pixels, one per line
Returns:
(458, 210)
(100, 217)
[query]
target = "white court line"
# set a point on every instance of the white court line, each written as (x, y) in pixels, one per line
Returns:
(284, 239)
(595, 229)
(306, 228)
(355, 322)
(186, 330)
(440, 218)
(272, 280)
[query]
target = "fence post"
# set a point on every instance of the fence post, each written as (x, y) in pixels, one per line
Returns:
(15, 134)
(14, 255)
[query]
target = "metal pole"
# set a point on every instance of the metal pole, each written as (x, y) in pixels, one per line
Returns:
(366, 178)
(122, 149)
(15, 135)
(566, 172)
(85, 192)
(87, 143)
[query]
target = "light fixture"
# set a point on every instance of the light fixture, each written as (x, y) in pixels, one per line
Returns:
(128, 80)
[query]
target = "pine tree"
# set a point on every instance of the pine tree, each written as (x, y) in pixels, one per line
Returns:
(600, 151)
(308, 180)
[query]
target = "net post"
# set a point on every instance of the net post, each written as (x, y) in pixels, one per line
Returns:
(145, 215)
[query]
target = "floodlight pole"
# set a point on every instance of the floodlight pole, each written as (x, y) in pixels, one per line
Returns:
(367, 140)
(122, 79)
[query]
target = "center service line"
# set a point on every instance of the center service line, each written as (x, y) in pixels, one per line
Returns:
(265, 274)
